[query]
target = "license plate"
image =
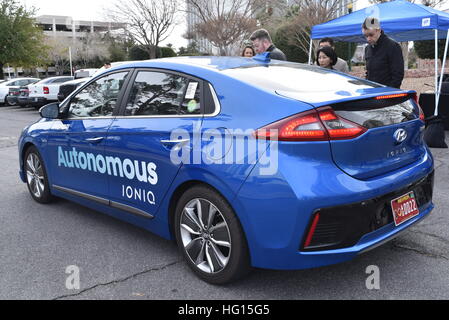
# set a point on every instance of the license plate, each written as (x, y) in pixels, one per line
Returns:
(404, 208)
(34, 99)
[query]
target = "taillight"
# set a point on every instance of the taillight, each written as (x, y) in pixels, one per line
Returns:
(422, 117)
(315, 125)
(46, 90)
(339, 128)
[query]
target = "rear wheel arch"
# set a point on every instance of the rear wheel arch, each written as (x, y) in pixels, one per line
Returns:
(180, 190)
(225, 240)
(176, 195)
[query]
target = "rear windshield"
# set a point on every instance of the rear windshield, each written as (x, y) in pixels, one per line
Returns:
(373, 114)
(297, 78)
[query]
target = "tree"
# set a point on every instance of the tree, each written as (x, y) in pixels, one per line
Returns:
(282, 42)
(58, 55)
(303, 15)
(225, 23)
(21, 41)
(167, 52)
(149, 22)
(91, 51)
(138, 53)
(425, 49)
(119, 47)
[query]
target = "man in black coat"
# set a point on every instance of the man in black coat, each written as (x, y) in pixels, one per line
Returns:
(384, 60)
(262, 43)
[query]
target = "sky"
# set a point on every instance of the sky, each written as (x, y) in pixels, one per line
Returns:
(96, 10)
(92, 10)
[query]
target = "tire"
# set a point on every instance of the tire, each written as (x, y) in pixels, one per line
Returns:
(9, 104)
(214, 246)
(36, 176)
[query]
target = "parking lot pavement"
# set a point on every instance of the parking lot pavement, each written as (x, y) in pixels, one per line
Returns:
(119, 261)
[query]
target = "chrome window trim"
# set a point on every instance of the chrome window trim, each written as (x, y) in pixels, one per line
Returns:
(216, 103)
(217, 108)
(67, 100)
(194, 116)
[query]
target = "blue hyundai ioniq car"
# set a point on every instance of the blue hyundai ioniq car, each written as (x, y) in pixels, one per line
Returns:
(245, 162)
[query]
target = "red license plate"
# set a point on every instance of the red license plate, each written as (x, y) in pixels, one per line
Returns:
(404, 208)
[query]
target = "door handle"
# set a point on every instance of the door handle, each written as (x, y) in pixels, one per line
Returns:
(95, 140)
(175, 144)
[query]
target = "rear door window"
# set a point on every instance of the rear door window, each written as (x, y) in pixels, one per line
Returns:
(163, 94)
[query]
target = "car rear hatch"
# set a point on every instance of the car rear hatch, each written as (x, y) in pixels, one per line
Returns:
(390, 137)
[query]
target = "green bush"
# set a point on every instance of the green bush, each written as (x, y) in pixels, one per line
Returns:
(345, 50)
(425, 49)
(282, 41)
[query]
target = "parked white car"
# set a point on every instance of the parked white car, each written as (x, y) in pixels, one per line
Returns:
(13, 84)
(46, 91)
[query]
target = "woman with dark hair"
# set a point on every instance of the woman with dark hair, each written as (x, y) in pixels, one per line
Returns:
(248, 52)
(326, 57)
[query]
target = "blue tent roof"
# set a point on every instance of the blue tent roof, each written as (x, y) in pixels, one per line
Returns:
(401, 20)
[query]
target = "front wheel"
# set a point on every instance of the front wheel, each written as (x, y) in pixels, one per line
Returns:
(36, 176)
(210, 236)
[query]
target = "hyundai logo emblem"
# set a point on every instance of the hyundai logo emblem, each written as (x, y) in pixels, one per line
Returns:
(400, 135)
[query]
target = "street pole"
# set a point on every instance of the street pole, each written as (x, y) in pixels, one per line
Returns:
(70, 58)
(350, 7)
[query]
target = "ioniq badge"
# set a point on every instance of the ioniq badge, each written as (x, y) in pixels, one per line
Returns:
(400, 135)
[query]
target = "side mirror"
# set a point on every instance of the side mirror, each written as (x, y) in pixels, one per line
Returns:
(50, 111)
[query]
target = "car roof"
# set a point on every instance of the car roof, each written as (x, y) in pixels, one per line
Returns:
(3, 82)
(58, 77)
(77, 81)
(202, 62)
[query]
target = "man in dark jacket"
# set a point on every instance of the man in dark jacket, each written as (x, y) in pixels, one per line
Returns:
(384, 60)
(262, 43)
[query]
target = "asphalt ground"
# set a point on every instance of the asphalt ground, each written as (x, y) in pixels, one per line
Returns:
(119, 261)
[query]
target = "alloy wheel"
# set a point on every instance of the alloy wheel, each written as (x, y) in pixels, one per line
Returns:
(35, 175)
(205, 236)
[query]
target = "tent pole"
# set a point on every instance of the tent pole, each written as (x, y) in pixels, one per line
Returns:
(442, 70)
(310, 50)
(436, 72)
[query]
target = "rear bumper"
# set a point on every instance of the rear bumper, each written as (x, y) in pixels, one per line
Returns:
(276, 212)
(343, 226)
(35, 101)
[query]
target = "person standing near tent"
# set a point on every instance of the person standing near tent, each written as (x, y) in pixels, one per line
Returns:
(384, 59)
(341, 64)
